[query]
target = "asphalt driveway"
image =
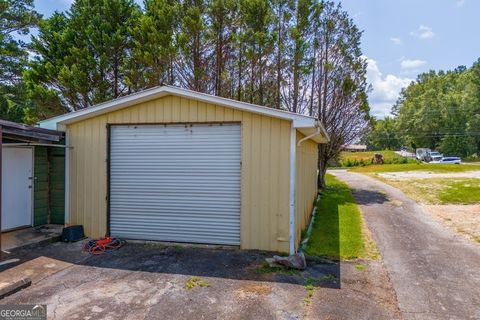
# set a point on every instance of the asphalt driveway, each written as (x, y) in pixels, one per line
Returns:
(145, 281)
(435, 273)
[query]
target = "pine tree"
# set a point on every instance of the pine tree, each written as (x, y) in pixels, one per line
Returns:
(257, 20)
(340, 101)
(193, 63)
(16, 17)
(154, 47)
(221, 15)
(83, 56)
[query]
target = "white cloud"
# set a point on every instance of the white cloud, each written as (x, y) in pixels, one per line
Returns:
(385, 91)
(460, 3)
(396, 40)
(423, 32)
(412, 63)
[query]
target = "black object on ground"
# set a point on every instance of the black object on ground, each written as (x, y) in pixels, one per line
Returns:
(73, 233)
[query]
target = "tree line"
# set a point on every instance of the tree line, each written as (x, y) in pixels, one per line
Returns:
(298, 55)
(440, 110)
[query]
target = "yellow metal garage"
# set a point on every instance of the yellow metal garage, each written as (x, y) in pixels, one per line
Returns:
(171, 164)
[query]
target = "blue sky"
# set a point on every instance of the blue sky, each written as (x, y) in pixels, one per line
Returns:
(401, 39)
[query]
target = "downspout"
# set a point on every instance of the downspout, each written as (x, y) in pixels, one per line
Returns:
(293, 159)
(293, 185)
(67, 179)
(318, 131)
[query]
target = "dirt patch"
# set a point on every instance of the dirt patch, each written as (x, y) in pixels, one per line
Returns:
(370, 284)
(407, 175)
(253, 290)
(463, 219)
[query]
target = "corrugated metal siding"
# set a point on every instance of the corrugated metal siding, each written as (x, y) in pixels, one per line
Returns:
(306, 180)
(264, 217)
(57, 185)
(40, 189)
(176, 183)
(49, 165)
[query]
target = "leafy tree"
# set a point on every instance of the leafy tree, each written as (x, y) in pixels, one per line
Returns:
(283, 13)
(222, 15)
(339, 100)
(297, 55)
(457, 145)
(16, 18)
(154, 46)
(384, 136)
(441, 110)
(257, 16)
(82, 56)
(193, 63)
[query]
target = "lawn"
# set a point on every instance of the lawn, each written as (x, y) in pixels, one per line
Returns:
(355, 159)
(464, 191)
(440, 190)
(437, 168)
(338, 230)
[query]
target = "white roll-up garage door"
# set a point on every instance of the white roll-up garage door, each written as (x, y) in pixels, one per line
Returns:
(177, 183)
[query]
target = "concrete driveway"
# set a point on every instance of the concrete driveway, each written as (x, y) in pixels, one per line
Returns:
(151, 281)
(435, 273)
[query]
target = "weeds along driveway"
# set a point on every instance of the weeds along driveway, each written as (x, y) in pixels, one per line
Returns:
(435, 273)
(148, 281)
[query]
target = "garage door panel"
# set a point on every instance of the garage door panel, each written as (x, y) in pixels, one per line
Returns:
(176, 183)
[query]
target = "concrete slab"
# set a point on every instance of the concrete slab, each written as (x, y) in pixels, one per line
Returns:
(36, 270)
(28, 236)
(151, 281)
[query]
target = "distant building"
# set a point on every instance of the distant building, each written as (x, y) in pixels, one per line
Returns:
(355, 147)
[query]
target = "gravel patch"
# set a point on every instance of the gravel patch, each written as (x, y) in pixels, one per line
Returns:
(407, 175)
(463, 219)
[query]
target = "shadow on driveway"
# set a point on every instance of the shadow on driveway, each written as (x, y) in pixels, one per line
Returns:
(228, 263)
(369, 197)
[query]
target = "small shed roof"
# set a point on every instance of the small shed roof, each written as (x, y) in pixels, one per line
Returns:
(15, 132)
(309, 126)
(355, 147)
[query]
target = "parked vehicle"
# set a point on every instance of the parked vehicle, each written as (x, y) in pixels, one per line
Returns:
(423, 154)
(449, 160)
(427, 155)
(436, 156)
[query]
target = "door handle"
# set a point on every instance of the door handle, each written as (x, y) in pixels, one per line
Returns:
(29, 187)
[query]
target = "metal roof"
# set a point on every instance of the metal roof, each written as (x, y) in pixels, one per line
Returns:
(305, 124)
(13, 131)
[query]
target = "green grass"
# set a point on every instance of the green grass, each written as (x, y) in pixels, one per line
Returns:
(368, 155)
(437, 168)
(195, 282)
(439, 190)
(360, 267)
(461, 192)
(264, 268)
(337, 230)
(362, 159)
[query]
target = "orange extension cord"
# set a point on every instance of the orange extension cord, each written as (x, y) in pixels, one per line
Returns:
(101, 245)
